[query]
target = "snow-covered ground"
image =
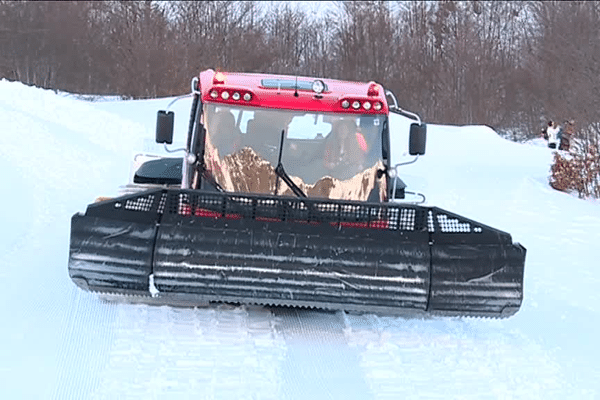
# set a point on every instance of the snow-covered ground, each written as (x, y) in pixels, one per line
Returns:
(57, 153)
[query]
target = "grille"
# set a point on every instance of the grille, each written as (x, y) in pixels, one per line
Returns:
(448, 224)
(149, 206)
(311, 211)
(444, 222)
(140, 204)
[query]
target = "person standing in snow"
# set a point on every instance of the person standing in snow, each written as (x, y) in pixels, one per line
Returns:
(545, 130)
(565, 135)
(553, 132)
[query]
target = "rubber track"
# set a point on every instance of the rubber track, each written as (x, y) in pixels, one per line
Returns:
(193, 301)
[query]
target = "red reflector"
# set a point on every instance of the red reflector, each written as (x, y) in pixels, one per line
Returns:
(268, 219)
(185, 210)
(202, 212)
(379, 224)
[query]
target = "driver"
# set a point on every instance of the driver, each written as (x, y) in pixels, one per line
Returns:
(346, 147)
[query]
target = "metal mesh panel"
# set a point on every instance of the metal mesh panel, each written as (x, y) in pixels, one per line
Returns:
(393, 214)
(300, 210)
(182, 207)
(297, 211)
(148, 206)
(240, 207)
(407, 219)
(140, 203)
(161, 205)
(269, 209)
(263, 208)
(430, 224)
(452, 225)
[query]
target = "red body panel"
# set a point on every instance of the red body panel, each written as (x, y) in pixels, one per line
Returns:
(280, 98)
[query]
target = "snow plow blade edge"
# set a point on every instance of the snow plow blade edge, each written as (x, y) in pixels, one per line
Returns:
(340, 255)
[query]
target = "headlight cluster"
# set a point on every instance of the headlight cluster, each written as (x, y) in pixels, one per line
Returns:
(234, 95)
(366, 105)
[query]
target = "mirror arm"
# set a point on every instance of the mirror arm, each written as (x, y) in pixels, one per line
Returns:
(409, 114)
(395, 170)
(414, 160)
(421, 195)
(195, 91)
(393, 96)
(172, 151)
(176, 99)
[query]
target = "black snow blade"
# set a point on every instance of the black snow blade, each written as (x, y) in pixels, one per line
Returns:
(340, 255)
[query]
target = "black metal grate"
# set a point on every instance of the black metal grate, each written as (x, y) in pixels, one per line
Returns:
(444, 222)
(452, 225)
(140, 203)
(339, 213)
(407, 219)
(147, 207)
(430, 224)
(162, 204)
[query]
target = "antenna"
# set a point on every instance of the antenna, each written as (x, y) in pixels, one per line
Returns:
(296, 87)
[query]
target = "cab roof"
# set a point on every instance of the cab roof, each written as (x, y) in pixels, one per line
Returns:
(292, 92)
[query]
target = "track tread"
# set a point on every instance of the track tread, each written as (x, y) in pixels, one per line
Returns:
(168, 301)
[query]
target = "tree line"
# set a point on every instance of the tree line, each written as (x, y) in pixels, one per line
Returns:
(512, 65)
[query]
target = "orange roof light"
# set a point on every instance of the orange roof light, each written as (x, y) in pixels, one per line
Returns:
(219, 78)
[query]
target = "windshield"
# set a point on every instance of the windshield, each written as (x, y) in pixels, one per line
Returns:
(320, 151)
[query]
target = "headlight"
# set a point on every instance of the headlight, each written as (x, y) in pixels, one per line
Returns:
(367, 105)
(356, 105)
(345, 104)
(318, 86)
(377, 106)
(214, 94)
(247, 97)
(224, 94)
(236, 96)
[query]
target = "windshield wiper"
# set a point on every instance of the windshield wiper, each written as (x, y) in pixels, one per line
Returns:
(280, 171)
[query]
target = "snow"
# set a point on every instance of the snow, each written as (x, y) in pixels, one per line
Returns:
(58, 153)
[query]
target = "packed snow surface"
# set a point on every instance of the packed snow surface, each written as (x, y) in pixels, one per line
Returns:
(58, 153)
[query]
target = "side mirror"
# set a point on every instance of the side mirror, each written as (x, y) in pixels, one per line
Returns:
(417, 139)
(164, 127)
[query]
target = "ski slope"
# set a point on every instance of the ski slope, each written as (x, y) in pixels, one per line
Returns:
(58, 153)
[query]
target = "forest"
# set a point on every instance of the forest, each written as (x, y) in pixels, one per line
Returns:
(512, 65)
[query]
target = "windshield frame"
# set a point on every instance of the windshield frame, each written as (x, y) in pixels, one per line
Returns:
(304, 155)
